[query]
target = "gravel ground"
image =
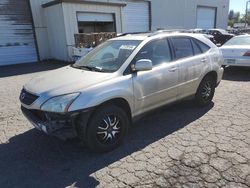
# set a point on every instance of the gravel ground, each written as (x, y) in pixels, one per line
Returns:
(177, 146)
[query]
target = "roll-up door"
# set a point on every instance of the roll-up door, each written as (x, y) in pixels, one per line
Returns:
(136, 17)
(17, 44)
(94, 17)
(206, 17)
(89, 22)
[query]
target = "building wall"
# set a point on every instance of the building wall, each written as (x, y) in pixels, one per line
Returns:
(182, 13)
(70, 18)
(56, 32)
(45, 20)
(38, 14)
(165, 14)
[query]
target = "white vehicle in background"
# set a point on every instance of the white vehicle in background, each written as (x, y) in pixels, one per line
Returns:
(236, 51)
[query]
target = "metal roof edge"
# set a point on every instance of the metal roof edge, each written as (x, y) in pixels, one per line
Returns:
(55, 2)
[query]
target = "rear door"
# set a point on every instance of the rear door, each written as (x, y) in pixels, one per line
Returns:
(191, 60)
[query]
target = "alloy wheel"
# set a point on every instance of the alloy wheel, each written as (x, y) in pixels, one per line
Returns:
(206, 90)
(109, 129)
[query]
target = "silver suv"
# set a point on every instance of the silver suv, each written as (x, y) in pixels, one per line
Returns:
(99, 96)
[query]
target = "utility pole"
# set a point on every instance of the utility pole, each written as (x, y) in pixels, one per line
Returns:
(246, 13)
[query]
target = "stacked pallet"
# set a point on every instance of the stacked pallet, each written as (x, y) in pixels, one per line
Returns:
(91, 40)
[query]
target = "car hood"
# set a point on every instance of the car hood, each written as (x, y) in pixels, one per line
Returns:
(65, 80)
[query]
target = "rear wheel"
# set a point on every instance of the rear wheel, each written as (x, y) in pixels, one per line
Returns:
(205, 92)
(107, 128)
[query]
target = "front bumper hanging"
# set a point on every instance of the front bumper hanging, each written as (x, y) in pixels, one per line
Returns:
(60, 125)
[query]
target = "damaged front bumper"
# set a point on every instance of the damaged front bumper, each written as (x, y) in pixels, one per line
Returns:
(60, 125)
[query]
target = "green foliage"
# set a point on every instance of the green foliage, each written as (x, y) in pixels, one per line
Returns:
(234, 17)
(231, 15)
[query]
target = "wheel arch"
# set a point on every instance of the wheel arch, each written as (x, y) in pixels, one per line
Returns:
(120, 102)
(212, 74)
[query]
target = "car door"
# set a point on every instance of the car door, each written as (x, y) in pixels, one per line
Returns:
(191, 61)
(158, 86)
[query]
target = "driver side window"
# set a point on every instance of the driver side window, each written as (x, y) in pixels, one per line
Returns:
(157, 51)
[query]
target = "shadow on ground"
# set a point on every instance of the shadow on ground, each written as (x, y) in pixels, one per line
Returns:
(237, 74)
(36, 160)
(19, 69)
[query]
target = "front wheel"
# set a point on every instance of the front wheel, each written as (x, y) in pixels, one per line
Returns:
(107, 128)
(205, 92)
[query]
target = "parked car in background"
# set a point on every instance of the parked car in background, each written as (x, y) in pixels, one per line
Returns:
(220, 36)
(199, 30)
(204, 32)
(236, 51)
(99, 96)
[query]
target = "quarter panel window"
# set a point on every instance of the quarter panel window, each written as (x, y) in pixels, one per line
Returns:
(204, 48)
(197, 49)
(182, 47)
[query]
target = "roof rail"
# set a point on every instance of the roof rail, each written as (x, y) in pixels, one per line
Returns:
(169, 31)
(153, 33)
(131, 33)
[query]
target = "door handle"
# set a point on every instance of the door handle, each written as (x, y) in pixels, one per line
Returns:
(204, 60)
(172, 69)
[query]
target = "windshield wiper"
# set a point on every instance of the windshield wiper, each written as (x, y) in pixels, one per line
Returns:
(97, 69)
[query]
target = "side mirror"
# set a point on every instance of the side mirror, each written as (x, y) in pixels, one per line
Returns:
(143, 65)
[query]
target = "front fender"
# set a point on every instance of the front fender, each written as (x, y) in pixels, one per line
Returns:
(92, 97)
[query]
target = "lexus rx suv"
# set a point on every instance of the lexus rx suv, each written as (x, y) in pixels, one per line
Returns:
(98, 97)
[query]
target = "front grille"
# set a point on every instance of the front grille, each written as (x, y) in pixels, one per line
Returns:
(27, 98)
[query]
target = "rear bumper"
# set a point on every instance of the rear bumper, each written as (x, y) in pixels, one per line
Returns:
(62, 126)
(220, 75)
(236, 62)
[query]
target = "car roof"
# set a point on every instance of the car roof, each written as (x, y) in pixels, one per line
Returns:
(160, 34)
(239, 36)
(155, 35)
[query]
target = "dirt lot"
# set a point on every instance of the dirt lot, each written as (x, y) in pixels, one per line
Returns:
(178, 146)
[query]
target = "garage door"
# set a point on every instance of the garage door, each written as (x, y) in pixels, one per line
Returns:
(16, 33)
(136, 17)
(95, 22)
(206, 17)
(94, 17)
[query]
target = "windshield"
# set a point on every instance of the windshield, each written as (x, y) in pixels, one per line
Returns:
(224, 32)
(238, 41)
(109, 56)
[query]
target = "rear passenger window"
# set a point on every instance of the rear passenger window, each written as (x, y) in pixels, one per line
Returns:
(204, 48)
(182, 47)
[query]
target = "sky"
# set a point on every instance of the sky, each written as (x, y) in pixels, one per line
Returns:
(238, 6)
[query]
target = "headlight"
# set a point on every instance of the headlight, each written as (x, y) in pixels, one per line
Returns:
(59, 103)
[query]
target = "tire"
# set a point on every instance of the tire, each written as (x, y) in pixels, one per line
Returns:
(106, 128)
(205, 92)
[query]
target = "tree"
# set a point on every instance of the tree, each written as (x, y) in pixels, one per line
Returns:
(235, 17)
(231, 15)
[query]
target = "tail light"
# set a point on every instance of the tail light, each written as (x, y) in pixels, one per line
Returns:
(247, 53)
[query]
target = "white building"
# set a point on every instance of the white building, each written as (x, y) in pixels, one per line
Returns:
(44, 29)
